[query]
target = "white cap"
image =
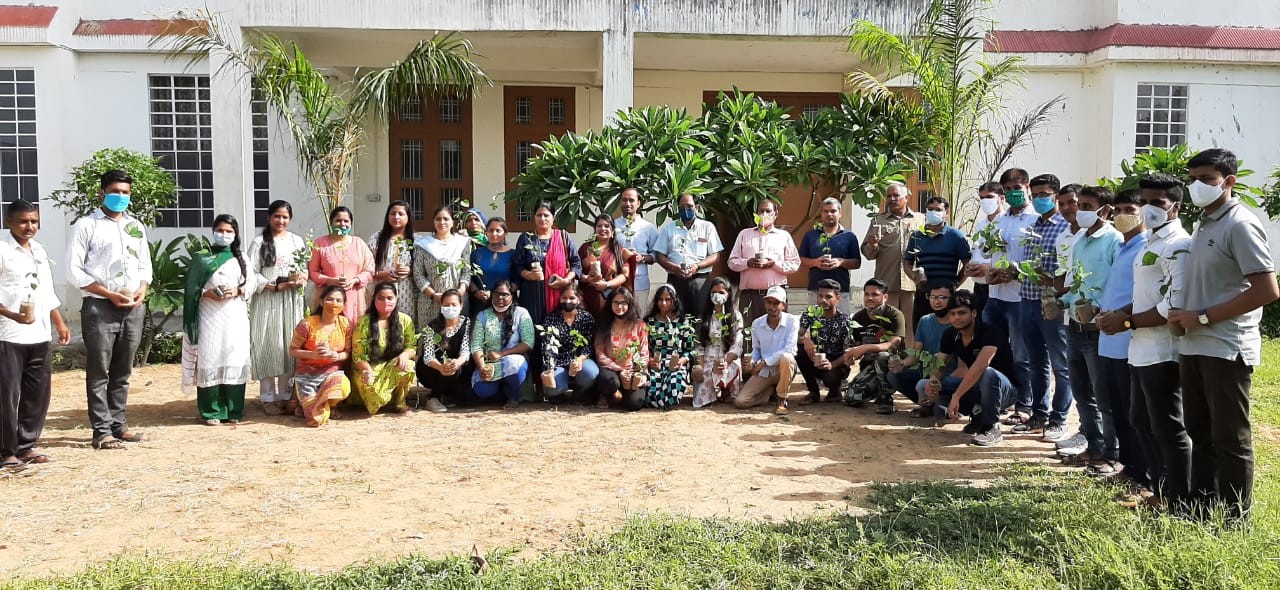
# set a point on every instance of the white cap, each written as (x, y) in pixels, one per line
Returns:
(777, 292)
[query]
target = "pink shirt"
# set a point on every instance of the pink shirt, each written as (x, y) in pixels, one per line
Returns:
(351, 259)
(777, 246)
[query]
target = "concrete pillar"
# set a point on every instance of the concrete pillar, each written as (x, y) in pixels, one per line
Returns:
(232, 143)
(618, 68)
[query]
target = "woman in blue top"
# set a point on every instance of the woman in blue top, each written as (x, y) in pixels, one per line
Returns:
(494, 261)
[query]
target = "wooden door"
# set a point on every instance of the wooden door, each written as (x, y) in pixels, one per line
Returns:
(430, 154)
(531, 114)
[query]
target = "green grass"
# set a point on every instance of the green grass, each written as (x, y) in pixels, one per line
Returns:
(1031, 529)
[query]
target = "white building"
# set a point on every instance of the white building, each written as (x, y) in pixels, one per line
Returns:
(78, 75)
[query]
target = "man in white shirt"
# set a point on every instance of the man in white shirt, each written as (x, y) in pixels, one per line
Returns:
(28, 304)
(110, 261)
(688, 248)
(990, 206)
(638, 234)
(774, 337)
(1002, 309)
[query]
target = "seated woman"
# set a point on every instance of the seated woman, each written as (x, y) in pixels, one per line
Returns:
(622, 351)
(383, 353)
(320, 344)
(567, 333)
(671, 340)
(501, 338)
(720, 331)
(445, 363)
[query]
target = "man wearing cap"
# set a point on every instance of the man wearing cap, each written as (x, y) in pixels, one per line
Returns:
(773, 354)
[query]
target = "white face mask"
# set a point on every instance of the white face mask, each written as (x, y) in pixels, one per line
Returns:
(989, 206)
(932, 217)
(501, 307)
(450, 313)
(1203, 194)
(719, 298)
(223, 238)
(1154, 217)
(1086, 219)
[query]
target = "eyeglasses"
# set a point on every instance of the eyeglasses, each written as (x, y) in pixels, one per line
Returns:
(939, 297)
(502, 294)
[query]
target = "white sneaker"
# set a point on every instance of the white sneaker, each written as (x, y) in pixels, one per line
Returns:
(1055, 432)
(434, 405)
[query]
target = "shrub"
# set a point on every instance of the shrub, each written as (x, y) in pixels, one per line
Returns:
(153, 186)
(166, 348)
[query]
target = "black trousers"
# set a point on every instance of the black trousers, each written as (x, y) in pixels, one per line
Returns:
(981, 293)
(609, 382)
(1159, 386)
(1215, 399)
(693, 292)
(919, 308)
(24, 395)
(1116, 386)
(813, 378)
(457, 385)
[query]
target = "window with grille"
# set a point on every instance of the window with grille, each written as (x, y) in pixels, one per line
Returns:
(555, 111)
(411, 159)
(524, 153)
(413, 196)
(524, 110)
(1162, 116)
(182, 137)
(450, 159)
(450, 110)
(450, 197)
(410, 109)
(523, 214)
(811, 110)
(19, 178)
(261, 160)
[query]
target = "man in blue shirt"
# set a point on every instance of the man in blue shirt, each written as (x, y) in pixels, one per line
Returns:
(830, 251)
(936, 253)
(905, 375)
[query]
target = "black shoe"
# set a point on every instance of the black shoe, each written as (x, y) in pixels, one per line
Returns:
(1031, 426)
(972, 427)
(884, 409)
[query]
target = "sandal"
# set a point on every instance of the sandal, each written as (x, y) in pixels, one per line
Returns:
(10, 463)
(212, 422)
(1015, 419)
(924, 411)
(32, 457)
(130, 436)
(107, 443)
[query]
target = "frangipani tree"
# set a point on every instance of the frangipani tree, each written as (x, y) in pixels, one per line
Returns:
(325, 118)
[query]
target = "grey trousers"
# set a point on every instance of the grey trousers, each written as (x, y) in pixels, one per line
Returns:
(111, 337)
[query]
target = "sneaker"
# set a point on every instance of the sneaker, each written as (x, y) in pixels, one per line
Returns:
(990, 436)
(1031, 426)
(435, 405)
(1055, 432)
(1073, 441)
(971, 428)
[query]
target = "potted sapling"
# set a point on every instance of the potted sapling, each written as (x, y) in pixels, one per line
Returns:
(1085, 310)
(301, 258)
(580, 342)
(401, 253)
(1173, 296)
(815, 329)
(536, 256)
(550, 347)
(633, 377)
(28, 307)
(764, 231)
(592, 261)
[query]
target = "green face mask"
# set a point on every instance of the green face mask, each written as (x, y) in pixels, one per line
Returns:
(1015, 198)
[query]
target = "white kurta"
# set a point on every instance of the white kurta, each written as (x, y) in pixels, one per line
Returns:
(222, 356)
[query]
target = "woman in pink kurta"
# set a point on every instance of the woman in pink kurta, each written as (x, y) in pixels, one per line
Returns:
(343, 261)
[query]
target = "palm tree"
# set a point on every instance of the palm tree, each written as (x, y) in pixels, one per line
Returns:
(943, 57)
(325, 119)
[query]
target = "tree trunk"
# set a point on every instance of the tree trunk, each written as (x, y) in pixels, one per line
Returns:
(148, 338)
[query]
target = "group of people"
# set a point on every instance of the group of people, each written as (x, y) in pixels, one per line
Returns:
(1079, 295)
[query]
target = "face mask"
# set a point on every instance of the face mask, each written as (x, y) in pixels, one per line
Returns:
(1203, 194)
(386, 307)
(766, 221)
(451, 312)
(116, 202)
(719, 298)
(341, 231)
(988, 206)
(501, 307)
(1043, 205)
(1125, 222)
(1015, 198)
(932, 217)
(687, 215)
(1086, 219)
(223, 239)
(566, 306)
(1154, 217)
(335, 308)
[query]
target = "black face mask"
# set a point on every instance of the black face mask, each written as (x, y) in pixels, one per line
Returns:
(565, 306)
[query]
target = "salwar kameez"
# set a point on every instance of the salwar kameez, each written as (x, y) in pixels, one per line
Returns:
(398, 252)
(441, 265)
(348, 257)
(215, 347)
(669, 340)
(321, 384)
(273, 315)
(390, 383)
(715, 383)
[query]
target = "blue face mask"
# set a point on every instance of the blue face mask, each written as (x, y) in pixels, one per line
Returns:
(687, 215)
(116, 202)
(1043, 205)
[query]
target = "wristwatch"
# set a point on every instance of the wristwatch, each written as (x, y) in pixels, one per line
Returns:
(1128, 325)
(1204, 318)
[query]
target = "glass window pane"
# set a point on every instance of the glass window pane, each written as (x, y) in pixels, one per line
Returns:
(450, 159)
(524, 110)
(411, 159)
(555, 111)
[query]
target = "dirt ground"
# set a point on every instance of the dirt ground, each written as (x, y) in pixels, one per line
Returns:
(271, 489)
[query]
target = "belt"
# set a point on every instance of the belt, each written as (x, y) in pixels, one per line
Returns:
(1083, 328)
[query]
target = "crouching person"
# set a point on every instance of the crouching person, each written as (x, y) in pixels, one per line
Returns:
(824, 331)
(879, 333)
(773, 354)
(984, 363)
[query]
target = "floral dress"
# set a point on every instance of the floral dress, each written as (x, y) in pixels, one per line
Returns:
(713, 350)
(441, 265)
(668, 340)
(405, 294)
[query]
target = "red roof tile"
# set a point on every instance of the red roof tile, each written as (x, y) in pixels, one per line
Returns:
(129, 26)
(27, 16)
(1132, 35)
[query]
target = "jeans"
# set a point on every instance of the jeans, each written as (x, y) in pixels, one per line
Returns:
(992, 392)
(949, 385)
(905, 382)
(1160, 387)
(582, 382)
(1082, 363)
(1045, 342)
(1215, 395)
(1113, 390)
(1006, 315)
(111, 338)
(508, 386)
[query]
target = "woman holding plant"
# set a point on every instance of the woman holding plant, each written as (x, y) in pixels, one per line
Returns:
(547, 262)
(342, 261)
(382, 353)
(566, 337)
(30, 305)
(215, 323)
(493, 262)
(441, 261)
(445, 360)
(622, 351)
(321, 344)
(392, 248)
(605, 265)
(278, 258)
(670, 347)
(501, 338)
(720, 333)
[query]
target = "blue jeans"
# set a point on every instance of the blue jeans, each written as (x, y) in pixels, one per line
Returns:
(985, 400)
(1045, 342)
(905, 382)
(509, 385)
(582, 382)
(949, 385)
(1085, 369)
(1007, 315)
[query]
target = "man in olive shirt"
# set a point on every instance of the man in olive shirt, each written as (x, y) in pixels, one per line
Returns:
(886, 244)
(1229, 278)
